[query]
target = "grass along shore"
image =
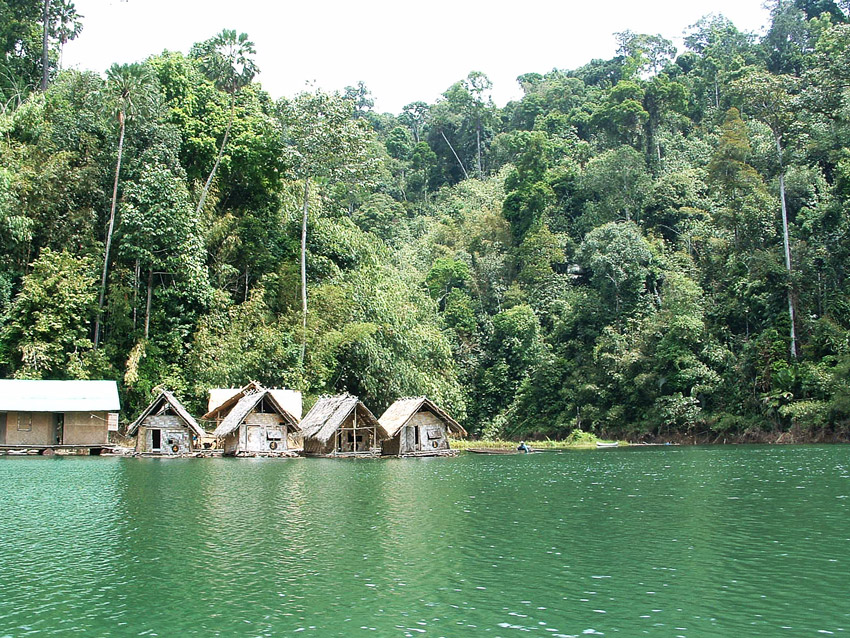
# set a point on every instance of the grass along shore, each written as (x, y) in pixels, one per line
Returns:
(576, 440)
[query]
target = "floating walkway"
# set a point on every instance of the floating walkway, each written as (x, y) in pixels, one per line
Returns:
(58, 450)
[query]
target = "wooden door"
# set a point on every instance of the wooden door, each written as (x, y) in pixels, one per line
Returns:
(256, 438)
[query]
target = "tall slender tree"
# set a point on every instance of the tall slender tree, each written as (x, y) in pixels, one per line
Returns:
(479, 86)
(225, 59)
(45, 43)
(771, 99)
(329, 144)
(131, 91)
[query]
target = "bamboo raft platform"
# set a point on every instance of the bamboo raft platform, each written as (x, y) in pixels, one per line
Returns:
(198, 454)
(495, 450)
(427, 453)
(58, 450)
(373, 453)
(282, 454)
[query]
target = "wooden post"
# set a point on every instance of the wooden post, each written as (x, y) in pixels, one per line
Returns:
(355, 429)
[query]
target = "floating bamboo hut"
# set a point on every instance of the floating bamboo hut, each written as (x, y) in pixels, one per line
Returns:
(165, 428)
(342, 426)
(257, 421)
(418, 427)
(46, 415)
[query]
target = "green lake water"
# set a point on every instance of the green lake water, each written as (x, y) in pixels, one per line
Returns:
(667, 541)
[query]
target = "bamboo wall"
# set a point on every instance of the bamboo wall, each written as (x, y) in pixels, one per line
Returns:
(85, 428)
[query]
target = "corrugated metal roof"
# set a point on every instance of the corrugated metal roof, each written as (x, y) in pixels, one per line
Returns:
(218, 396)
(247, 403)
(18, 395)
(289, 400)
(223, 399)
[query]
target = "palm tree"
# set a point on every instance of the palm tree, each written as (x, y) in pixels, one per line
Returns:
(225, 60)
(131, 91)
(61, 21)
(68, 25)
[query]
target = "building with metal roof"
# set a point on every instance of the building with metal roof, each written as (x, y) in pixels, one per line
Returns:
(40, 413)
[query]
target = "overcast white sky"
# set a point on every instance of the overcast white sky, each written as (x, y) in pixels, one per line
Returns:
(403, 51)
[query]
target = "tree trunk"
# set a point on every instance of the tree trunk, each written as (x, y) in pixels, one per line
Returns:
(787, 246)
(45, 70)
(716, 93)
(148, 304)
(478, 146)
(304, 271)
(136, 272)
(121, 119)
(218, 157)
(465, 174)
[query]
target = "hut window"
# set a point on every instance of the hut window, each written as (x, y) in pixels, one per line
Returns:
(435, 433)
(273, 435)
(156, 439)
(24, 421)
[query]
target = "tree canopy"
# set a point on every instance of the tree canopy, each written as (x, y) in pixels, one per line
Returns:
(655, 245)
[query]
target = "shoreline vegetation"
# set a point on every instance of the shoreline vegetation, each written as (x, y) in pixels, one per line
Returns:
(652, 247)
(587, 440)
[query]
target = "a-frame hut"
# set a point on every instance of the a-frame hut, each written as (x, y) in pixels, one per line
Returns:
(222, 400)
(342, 426)
(418, 427)
(165, 428)
(256, 421)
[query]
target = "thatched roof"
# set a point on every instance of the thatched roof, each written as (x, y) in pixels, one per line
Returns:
(25, 395)
(329, 413)
(223, 399)
(400, 412)
(243, 408)
(158, 405)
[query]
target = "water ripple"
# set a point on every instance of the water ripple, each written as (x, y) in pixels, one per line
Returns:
(665, 542)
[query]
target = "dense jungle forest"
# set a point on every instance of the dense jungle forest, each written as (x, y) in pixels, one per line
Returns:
(647, 246)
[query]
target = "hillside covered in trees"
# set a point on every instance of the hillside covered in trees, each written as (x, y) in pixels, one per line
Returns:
(650, 245)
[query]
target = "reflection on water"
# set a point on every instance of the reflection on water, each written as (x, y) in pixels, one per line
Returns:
(725, 541)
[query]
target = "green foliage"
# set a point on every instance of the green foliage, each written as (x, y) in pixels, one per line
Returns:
(326, 141)
(445, 275)
(619, 186)
(617, 257)
(579, 437)
(375, 335)
(603, 256)
(235, 343)
(47, 332)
